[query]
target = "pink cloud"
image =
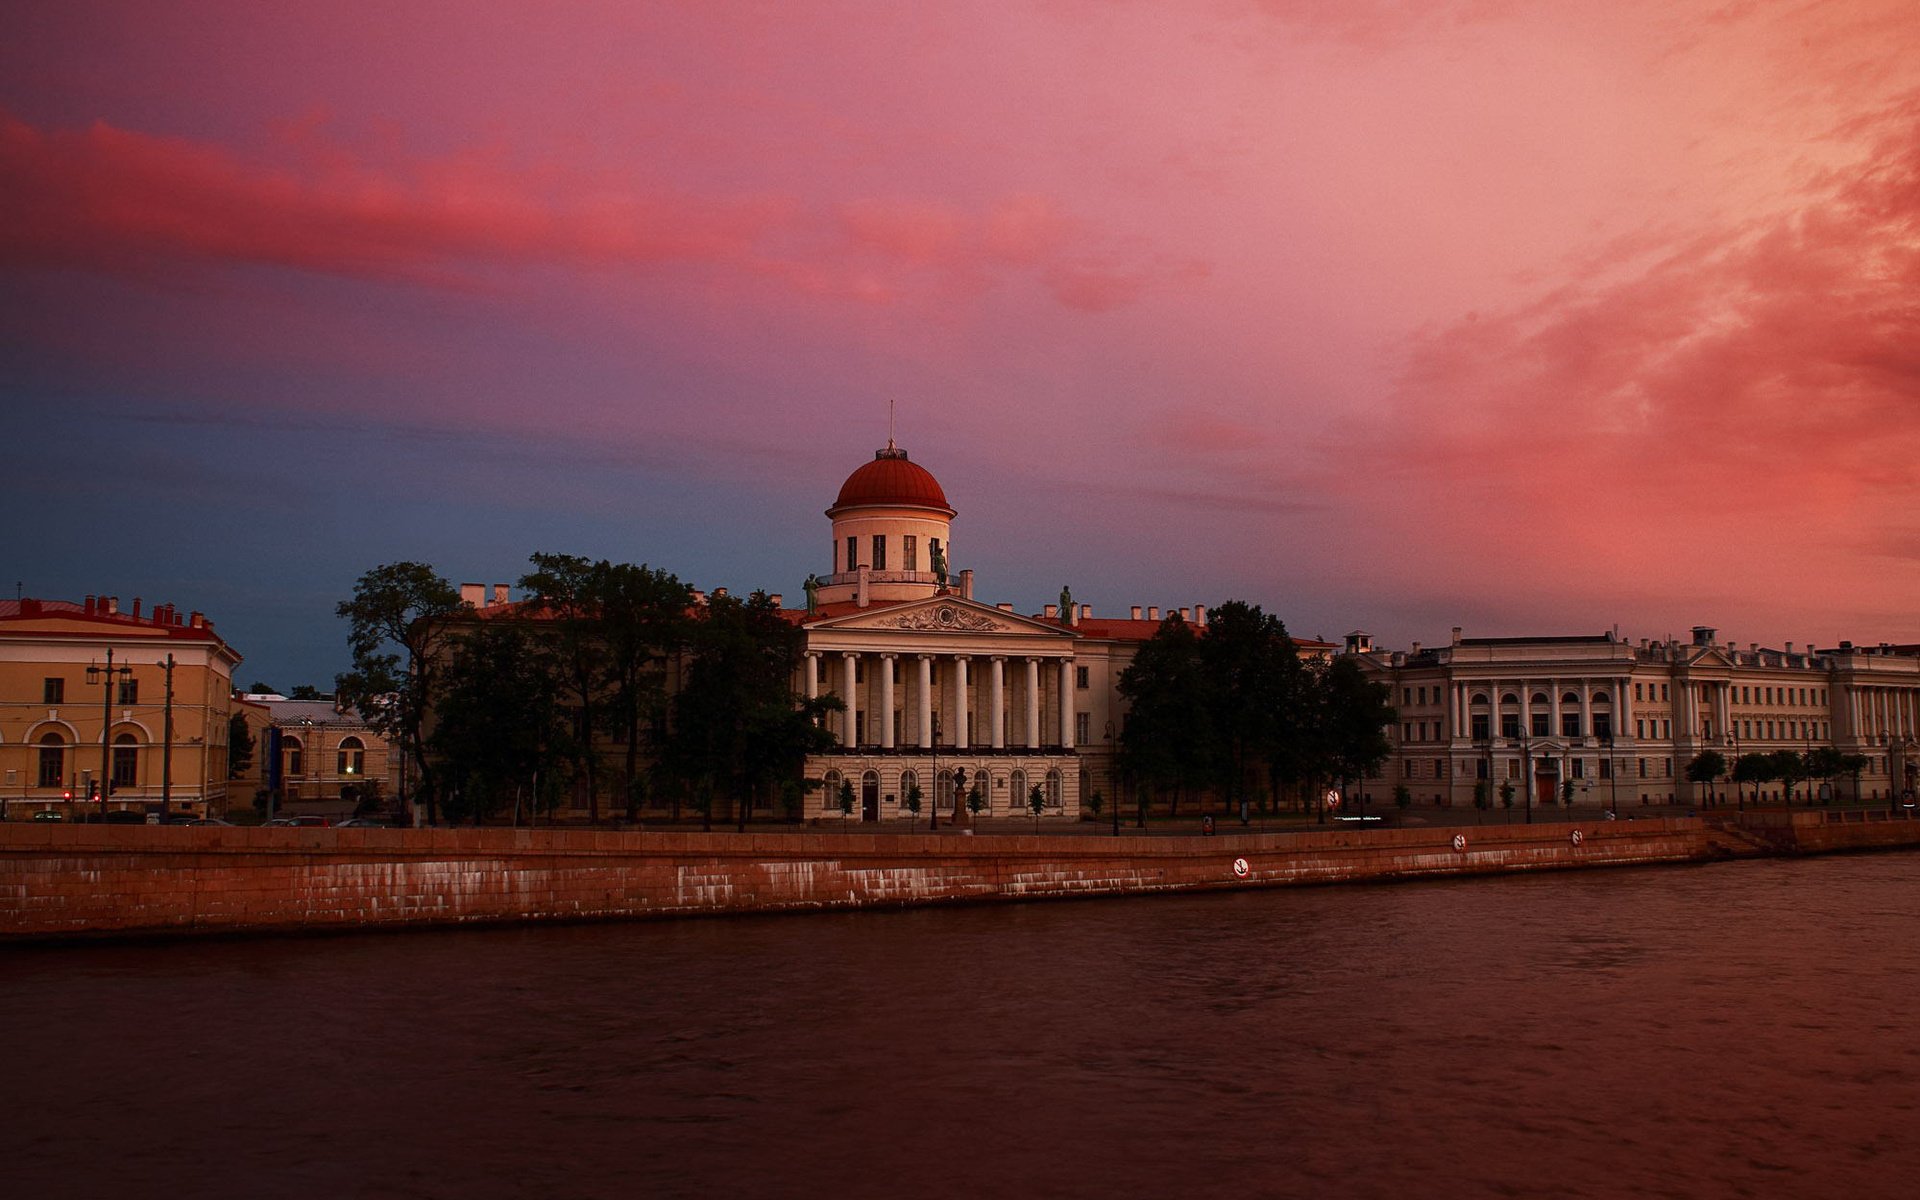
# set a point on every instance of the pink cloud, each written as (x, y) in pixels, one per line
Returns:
(118, 201)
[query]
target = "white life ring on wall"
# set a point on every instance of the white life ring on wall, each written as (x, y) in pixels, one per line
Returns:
(1459, 841)
(1577, 837)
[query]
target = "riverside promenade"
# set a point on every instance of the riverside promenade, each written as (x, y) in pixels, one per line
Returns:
(61, 881)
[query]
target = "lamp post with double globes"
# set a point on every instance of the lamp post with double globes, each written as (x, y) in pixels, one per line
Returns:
(106, 678)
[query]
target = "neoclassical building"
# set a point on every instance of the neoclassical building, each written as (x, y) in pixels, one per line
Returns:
(1621, 720)
(84, 691)
(944, 691)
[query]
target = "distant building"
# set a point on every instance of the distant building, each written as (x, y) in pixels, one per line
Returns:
(57, 697)
(1621, 721)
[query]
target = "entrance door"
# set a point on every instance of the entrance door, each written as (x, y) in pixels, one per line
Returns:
(870, 797)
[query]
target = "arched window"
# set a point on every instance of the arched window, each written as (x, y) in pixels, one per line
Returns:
(53, 766)
(291, 756)
(126, 761)
(353, 757)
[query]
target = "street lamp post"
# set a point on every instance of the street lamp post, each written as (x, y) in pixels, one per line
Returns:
(106, 679)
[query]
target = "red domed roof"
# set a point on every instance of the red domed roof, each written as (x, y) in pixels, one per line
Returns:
(890, 480)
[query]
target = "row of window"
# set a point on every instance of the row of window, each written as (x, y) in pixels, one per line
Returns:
(53, 690)
(909, 553)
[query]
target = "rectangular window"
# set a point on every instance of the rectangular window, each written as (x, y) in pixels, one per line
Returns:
(1080, 678)
(879, 552)
(853, 554)
(53, 691)
(129, 691)
(1570, 724)
(910, 553)
(1479, 727)
(1540, 727)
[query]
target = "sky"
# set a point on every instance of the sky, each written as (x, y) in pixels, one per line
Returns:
(1529, 318)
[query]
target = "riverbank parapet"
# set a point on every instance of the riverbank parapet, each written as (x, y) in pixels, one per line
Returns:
(74, 881)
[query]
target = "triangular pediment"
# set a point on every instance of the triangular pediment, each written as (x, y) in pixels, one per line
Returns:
(938, 614)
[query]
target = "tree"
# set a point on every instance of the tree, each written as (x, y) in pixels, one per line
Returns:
(561, 591)
(1706, 767)
(398, 630)
(1790, 768)
(737, 723)
(501, 723)
(1168, 741)
(1348, 721)
(1755, 769)
(239, 746)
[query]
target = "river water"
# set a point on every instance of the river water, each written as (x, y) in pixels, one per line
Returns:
(1746, 1029)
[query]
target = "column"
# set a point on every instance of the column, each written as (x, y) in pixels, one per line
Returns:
(813, 674)
(886, 701)
(1033, 703)
(960, 739)
(1066, 704)
(997, 697)
(850, 722)
(924, 695)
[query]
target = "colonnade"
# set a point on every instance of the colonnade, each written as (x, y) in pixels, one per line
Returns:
(960, 733)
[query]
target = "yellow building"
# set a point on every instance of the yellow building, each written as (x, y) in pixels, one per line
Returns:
(71, 673)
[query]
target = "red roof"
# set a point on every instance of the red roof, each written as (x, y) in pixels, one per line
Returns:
(891, 481)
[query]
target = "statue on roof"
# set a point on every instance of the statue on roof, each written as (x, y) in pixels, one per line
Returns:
(1066, 605)
(812, 586)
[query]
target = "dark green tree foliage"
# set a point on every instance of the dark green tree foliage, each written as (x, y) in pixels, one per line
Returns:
(398, 633)
(1706, 767)
(1253, 680)
(502, 723)
(1168, 743)
(738, 728)
(1347, 720)
(239, 746)
(562, 590)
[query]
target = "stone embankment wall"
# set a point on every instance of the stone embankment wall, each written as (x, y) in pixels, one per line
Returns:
(78, 880)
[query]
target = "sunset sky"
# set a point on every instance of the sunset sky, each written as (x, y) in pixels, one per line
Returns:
(1527, 317)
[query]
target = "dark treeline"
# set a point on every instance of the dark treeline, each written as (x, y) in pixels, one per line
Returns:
(606, 681)
(1230, 713)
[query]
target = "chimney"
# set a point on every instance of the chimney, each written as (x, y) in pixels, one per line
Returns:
(1153, 612)
(1051, 612)
(860, 596)
(473, 593)
(966, 584)
(500, 593)
(1456, 635)
(136, 616)
(1135, 610)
